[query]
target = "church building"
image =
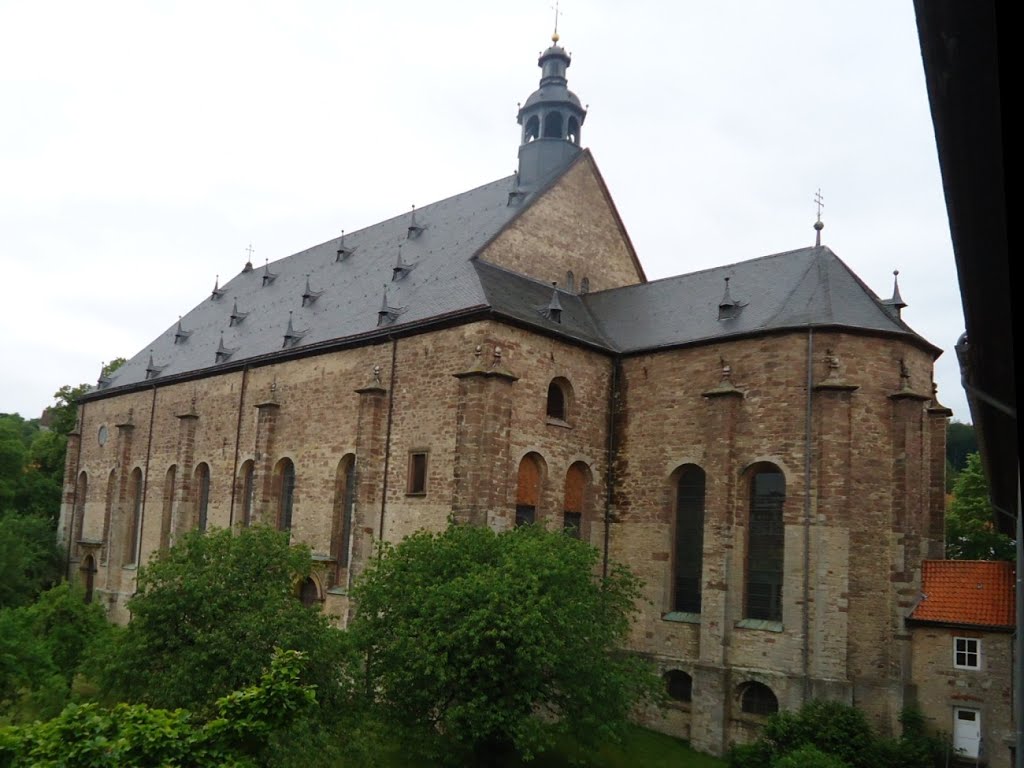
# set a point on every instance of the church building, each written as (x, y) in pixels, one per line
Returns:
(760, 442)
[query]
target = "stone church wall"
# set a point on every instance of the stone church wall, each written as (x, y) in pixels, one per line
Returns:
(572, 226)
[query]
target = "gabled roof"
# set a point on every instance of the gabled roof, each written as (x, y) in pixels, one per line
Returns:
(794, 289)
(967, 592)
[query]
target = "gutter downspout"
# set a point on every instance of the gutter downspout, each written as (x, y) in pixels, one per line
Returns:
(238, 436)
(613, 393)
(387, 439)
(807, 517)
(74, 494)
(1017, 705)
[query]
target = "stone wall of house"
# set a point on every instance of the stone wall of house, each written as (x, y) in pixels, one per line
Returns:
(572, 227)
(941, 687)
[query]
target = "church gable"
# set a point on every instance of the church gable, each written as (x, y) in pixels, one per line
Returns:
(572, 228)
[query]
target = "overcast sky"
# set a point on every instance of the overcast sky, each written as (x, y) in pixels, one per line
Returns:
(144, 145)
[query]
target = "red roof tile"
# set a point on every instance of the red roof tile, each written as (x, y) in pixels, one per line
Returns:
(978, 592)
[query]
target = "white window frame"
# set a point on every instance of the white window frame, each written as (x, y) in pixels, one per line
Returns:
(967, 647)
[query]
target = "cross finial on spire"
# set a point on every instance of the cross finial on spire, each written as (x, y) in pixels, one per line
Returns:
(554, 35)
(819, 225)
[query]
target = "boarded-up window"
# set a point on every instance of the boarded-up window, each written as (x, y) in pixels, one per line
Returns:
(576, 481)
(765, 544)
(528, 489)
(689, 539)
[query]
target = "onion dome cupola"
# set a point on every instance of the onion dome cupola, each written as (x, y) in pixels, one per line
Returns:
(551, 119)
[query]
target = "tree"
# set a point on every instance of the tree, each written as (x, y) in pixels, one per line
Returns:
(970, 528)
(30, 559)
(207, 614)
(498, 640)
(237, 734)
(961, 441)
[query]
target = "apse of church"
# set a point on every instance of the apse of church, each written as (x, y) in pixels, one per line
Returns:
(760, 442)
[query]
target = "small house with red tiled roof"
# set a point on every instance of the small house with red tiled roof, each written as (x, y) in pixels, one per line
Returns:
(961, 641)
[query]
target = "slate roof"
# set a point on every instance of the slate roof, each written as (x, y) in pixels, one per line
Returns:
(967, 592)
(785, 290)
(255, 319)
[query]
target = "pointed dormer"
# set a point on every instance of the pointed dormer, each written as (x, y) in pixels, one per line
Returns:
(551, 119)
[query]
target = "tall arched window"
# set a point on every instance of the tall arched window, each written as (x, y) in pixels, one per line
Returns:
(78, 519)
(758, 699)
(344, 502)
(131, 540)
(688, 564)
(553, 125)
(765, 543)
(284, 475)
(577, 479)
(167, 510)
(108, 511)
(528, 489)
(202, 495)
(570, 282)
(248, 490)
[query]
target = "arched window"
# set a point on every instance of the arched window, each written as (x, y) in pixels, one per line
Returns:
(559, 399)
(689, 539)
(570, 281)
(765, 543)
(78, 519)
(202, 495)
(108, 511)
(89, 576)
(574, 130)
(309, 593)
(528, 489)
(131, 541)
(758, 699)
(167, 511)
(577, 479)
(284, 477)
(248, 491)
(344, 502)
(532, 129)
(679, 685)
(553, 125)
(584, 286)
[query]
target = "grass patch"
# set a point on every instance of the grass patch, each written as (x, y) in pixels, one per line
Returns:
(639, 747)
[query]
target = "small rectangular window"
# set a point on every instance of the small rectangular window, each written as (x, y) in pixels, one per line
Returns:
(417, 473)
(966, 653)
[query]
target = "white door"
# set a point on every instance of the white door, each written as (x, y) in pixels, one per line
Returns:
(966, 731)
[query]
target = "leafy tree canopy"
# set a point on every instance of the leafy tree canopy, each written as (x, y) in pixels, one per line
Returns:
(237, 735)
(498, 640)
(30, 559)
(970, 529)
(961, 441)
(207, 614)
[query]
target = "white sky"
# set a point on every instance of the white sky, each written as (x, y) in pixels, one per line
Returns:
(144, 145)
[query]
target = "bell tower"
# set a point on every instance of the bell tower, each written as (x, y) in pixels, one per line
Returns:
(551, 119)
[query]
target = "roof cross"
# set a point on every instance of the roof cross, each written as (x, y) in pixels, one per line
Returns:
(554, 36)
(249, 251)
(819, 224)
(819, 201)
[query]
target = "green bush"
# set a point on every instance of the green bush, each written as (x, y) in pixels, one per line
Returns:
(809, 756)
